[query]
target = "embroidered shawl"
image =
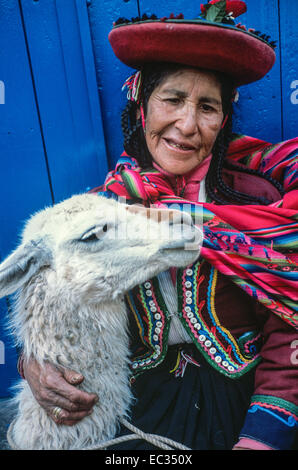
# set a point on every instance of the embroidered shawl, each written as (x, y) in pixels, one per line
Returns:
(254, 246)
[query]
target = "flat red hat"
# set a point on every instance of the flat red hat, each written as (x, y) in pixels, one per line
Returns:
(214, 45)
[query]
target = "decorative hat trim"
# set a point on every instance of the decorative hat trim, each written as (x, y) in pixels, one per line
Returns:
(258, 34)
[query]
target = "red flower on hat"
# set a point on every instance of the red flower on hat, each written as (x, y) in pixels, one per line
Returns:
(237, 7)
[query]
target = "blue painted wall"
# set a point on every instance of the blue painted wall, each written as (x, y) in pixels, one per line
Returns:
(60, 103)
(51, 134)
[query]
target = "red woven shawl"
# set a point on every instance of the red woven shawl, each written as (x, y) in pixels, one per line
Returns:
(255, 246)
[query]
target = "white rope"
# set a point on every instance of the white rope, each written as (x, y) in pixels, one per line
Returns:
(158, 441)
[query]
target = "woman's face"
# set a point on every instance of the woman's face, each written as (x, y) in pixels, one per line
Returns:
(184, 117)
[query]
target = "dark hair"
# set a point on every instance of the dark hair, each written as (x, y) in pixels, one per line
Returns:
(135, 142)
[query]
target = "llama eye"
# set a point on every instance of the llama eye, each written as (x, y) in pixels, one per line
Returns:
(94, 234)
(91, 238)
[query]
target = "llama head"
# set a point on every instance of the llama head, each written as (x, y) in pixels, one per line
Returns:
(96, 248)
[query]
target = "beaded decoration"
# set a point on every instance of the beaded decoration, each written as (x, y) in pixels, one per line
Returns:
(229, 356)
(214, 341)
(152, 318)
(227, 18)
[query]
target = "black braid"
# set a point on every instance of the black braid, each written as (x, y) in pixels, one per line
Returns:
(134, 139)
(214, 181)
(129, 129)
(135, 142)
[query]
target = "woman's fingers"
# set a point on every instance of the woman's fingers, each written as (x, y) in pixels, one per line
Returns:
(67, 403)
(66, 418)
(52, 389)
(72, 377)
(68, 396)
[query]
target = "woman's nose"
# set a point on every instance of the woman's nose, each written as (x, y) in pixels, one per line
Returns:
(187, 121)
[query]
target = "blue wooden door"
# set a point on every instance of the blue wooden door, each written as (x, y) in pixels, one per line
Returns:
(60, 103)
(51, 135)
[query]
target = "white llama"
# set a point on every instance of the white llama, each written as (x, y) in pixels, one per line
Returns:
(75, 262)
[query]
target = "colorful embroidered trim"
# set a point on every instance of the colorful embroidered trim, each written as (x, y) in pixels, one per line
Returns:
(250, 343)
(213, 340)
(276, 404)
(290, 421)
(271, 420)
(153, 320)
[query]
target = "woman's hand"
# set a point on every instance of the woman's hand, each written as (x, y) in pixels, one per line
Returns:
(53, 387)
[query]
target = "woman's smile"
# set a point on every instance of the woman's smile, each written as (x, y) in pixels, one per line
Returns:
(179, 146)
(184, 117)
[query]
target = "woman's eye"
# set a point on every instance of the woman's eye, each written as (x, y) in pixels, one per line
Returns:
(207, 108)
(173, 100)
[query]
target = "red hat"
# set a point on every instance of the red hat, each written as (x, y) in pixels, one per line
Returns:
(212, 42)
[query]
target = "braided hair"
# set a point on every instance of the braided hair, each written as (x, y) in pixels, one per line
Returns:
(135, 142)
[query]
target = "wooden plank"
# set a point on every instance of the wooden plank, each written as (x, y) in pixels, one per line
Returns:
(259, 109)
(24, 184)
(111, 73)
(64, 75)
(289, 66)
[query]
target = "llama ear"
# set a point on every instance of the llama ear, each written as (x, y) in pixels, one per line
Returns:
(22, 264)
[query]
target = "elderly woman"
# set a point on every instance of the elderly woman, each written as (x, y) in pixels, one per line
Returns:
(212, 364)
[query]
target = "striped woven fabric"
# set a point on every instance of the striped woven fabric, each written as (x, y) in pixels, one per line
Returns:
(255, 246)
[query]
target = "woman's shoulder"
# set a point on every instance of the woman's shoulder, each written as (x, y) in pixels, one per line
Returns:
(251, 184)
(245, 149)
(273, 161)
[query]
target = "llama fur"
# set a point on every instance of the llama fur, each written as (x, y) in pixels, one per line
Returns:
(70, 274)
